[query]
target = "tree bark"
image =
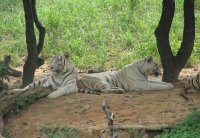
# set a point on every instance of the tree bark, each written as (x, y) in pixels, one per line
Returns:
(172, 65)
(34, 49)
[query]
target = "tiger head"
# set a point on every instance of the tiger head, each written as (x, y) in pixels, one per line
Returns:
(60, 63)
(152, 67)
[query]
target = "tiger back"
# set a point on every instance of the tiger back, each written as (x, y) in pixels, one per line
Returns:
(131, 77)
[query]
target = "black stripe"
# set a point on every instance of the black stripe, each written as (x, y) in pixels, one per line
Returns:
(84, 84)
(198, 80)
(67, 76)
(122, 86)
(93, 85)
(141, 71)
(64, 62)
(119, 81)
(70, 82)
(193, 83)
(107, 79)
(54, 81)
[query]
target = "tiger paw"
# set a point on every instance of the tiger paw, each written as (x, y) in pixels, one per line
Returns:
(52, 96)
(13, 91)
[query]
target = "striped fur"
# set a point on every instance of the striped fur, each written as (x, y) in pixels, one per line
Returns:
(63, 78)
(131, 77)
(192, 84)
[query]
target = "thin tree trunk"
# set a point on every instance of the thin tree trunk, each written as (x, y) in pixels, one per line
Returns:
(31, 62)
(33, 48)
(172, 65)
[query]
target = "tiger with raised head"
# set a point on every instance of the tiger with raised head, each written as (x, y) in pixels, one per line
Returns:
(131, 77)
(63, 78)
(193, 84)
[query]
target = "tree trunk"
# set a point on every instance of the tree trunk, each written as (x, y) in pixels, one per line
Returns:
(32, 61)
(172, 65)
(30, 64)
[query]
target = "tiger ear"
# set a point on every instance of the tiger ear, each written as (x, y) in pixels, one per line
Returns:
(149, 59)
(66, 54)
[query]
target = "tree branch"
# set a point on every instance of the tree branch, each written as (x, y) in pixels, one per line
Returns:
(162, 31)
(187, 44)
(12, 72)
(42, 32)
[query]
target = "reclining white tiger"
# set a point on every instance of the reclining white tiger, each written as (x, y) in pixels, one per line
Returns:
(63, 78)
(132, 77)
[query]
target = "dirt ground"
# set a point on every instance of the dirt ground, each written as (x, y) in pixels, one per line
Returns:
(150, 110)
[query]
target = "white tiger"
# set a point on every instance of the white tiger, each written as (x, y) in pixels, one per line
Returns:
(132, 77)
(63, 78)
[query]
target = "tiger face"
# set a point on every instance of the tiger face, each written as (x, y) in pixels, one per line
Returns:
(152, 67)
(59, 62)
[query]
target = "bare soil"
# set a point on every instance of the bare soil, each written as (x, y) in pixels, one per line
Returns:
(151, 110)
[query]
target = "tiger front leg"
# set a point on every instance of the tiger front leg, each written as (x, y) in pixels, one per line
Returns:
(154, 86)
(18, 90)
(65, 90)
(116, 90)
(32, 85)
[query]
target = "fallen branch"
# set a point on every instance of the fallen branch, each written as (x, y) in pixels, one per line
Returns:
(110, 117)
(12, 72)
(9, 101)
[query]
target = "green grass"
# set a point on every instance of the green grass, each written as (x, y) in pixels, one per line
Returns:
(57, 132)
(103, 34)
(188, 128)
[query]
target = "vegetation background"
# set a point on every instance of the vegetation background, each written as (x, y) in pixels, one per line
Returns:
(104, 34)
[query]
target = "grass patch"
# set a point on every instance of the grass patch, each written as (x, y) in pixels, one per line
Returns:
(188, 128)
(22, 103)
(57, 132)
(6, 133)
(106, 34)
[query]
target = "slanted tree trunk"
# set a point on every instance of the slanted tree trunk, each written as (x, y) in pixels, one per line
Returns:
(172, 65)
(33, 48)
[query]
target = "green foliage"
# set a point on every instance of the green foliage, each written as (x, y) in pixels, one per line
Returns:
(7, 133)
(3, 73)
(57, 132)
(188, 128)
(104, 34)
(136, 133)
(20, 104)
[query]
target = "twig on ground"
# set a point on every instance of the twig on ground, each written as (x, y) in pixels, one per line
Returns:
(110, 117)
